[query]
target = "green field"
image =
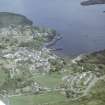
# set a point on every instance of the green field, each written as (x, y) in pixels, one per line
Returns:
(50, 98)
(51, 81)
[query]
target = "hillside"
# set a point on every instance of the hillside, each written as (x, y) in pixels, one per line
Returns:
(31, 74)
(7, 19)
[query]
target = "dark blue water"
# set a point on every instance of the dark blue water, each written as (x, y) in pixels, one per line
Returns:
(82, 28)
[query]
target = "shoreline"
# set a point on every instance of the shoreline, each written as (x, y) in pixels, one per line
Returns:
(92, 2)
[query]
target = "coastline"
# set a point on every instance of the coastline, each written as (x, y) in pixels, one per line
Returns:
(92, 2)
(31, 73)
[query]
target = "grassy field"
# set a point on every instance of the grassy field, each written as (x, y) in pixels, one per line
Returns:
(50, 98)
(50, 81)
(2, 77)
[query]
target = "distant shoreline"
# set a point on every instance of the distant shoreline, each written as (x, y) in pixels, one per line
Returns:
(92, 2)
